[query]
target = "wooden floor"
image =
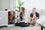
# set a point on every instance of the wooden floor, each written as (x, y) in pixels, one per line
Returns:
(21, 28)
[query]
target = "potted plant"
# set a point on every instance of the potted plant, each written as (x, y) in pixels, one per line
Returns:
(20, 4)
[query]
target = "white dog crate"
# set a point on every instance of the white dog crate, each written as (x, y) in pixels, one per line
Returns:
(3, 18)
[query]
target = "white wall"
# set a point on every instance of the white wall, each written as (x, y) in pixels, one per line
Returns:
(29, 4)
(4, 4)
(7, 4)
(0, 4)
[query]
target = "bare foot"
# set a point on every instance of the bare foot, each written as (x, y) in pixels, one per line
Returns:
(37, 24)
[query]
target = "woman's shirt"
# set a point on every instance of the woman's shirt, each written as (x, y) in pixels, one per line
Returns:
(24, 18)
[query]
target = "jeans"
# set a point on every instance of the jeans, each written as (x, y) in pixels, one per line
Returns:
(32, 23)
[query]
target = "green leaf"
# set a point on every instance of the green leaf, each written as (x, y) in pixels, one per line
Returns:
(22, 3)
(18, 7)
(19, 2)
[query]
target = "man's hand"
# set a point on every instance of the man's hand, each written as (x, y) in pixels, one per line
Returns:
(15, 17)
(34, 17)
(30, 22)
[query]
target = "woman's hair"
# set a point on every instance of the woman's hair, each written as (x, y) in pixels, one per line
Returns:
(21, 14)
(23, 9)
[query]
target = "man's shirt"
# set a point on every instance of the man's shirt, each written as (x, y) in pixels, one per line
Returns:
(37, 15)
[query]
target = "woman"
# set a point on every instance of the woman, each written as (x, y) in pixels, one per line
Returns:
(23, 17)
(22, 13)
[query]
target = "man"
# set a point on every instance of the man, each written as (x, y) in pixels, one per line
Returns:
(33, 17)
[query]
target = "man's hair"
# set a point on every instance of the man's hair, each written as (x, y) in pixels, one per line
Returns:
(34, 8)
